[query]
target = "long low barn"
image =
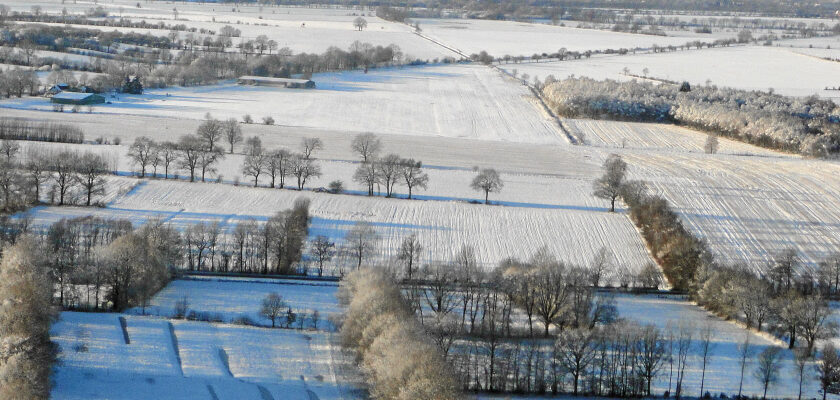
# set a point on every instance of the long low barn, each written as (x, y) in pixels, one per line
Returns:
(281, 82)
(77, 98)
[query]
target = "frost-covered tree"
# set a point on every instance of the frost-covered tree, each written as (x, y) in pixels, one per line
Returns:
(711, 145)
(190, 149)
(210, 131)
(26, 313)
(366, 174)
(360, 23)
(609, 186)
(828, 367)
(389, 172)
(409, 254)
(487, 181)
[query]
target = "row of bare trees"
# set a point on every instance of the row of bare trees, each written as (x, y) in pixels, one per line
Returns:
(22, 129)
(71, 175)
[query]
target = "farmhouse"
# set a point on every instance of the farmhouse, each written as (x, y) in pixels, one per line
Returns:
(77, 98)
(279, 82)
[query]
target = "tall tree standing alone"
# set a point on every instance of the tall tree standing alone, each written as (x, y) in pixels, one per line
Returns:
(610, 184)
(487, 181)
(26, 314)
(360, 23)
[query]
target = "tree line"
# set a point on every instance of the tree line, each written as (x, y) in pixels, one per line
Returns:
(22, 129)
(72, 177)
(802, 125)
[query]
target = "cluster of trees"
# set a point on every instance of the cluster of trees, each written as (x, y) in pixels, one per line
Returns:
(273, 247)
(26, 314)
(17, 82)
(786, 300)
(388, 171)
(281, 163)
(96, 263)
(399, 360)
(23, 129)
(805, 125)
(72, 176)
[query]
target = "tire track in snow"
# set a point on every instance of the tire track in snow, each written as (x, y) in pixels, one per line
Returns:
(175, 349)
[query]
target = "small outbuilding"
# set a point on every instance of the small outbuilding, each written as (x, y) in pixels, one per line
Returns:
(291, 83)
(75, 98)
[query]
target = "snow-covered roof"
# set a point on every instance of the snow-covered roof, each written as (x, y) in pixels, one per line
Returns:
(73, 95)
(275, 80)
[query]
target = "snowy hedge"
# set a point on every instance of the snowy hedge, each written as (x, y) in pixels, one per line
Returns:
(809, 125)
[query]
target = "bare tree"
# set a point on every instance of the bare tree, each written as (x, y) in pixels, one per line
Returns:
(168, 153)
(550, 291)
(802, 357)
(232, 132)
(323, 250)
(651, 353)
(577, 350)
(706, 348)
(784, 267)
(828, 367)
(208, 159)
(272, 307)
(36, 167)
(366, 174)
(63, 165)
(409, 254)
(388, 172)
(190, 149)
(361, 242)
(254, 165)
(210, 131)
(413, 175)
(815, 321)
(367, 145)
(141, 152)
(599, 267)
(487, 181)
(277, 166)
(303, 168)
(684, 341)
(90, 169)
(767, 368)
(744, 356)
(609, 186)
(309, 146)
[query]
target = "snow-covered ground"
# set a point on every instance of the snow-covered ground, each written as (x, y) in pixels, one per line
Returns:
(158, 358)
(743, 67)
(747, 208)
(573, 233)
(465, 101)
(501, 38)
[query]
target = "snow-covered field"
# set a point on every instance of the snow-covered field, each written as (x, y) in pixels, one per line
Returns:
(466, 101)
(501, 38)
(573, 233)
(748, 208)
(198, 360)
(743, 67)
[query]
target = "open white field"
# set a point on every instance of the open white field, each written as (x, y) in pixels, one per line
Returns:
(159, 358)
(465, 101)
(743, 67)
(574, 234)
(748, 208)
(301, 29)
(524, 39)
(213, 295)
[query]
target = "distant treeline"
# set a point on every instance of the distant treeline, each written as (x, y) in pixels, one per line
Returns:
(808, 125)
(21, 129)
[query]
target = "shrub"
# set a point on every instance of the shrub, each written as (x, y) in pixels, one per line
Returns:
(268, 121)
(336, 187)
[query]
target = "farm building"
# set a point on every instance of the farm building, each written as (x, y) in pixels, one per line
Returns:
(280, 82)
(77, 98)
